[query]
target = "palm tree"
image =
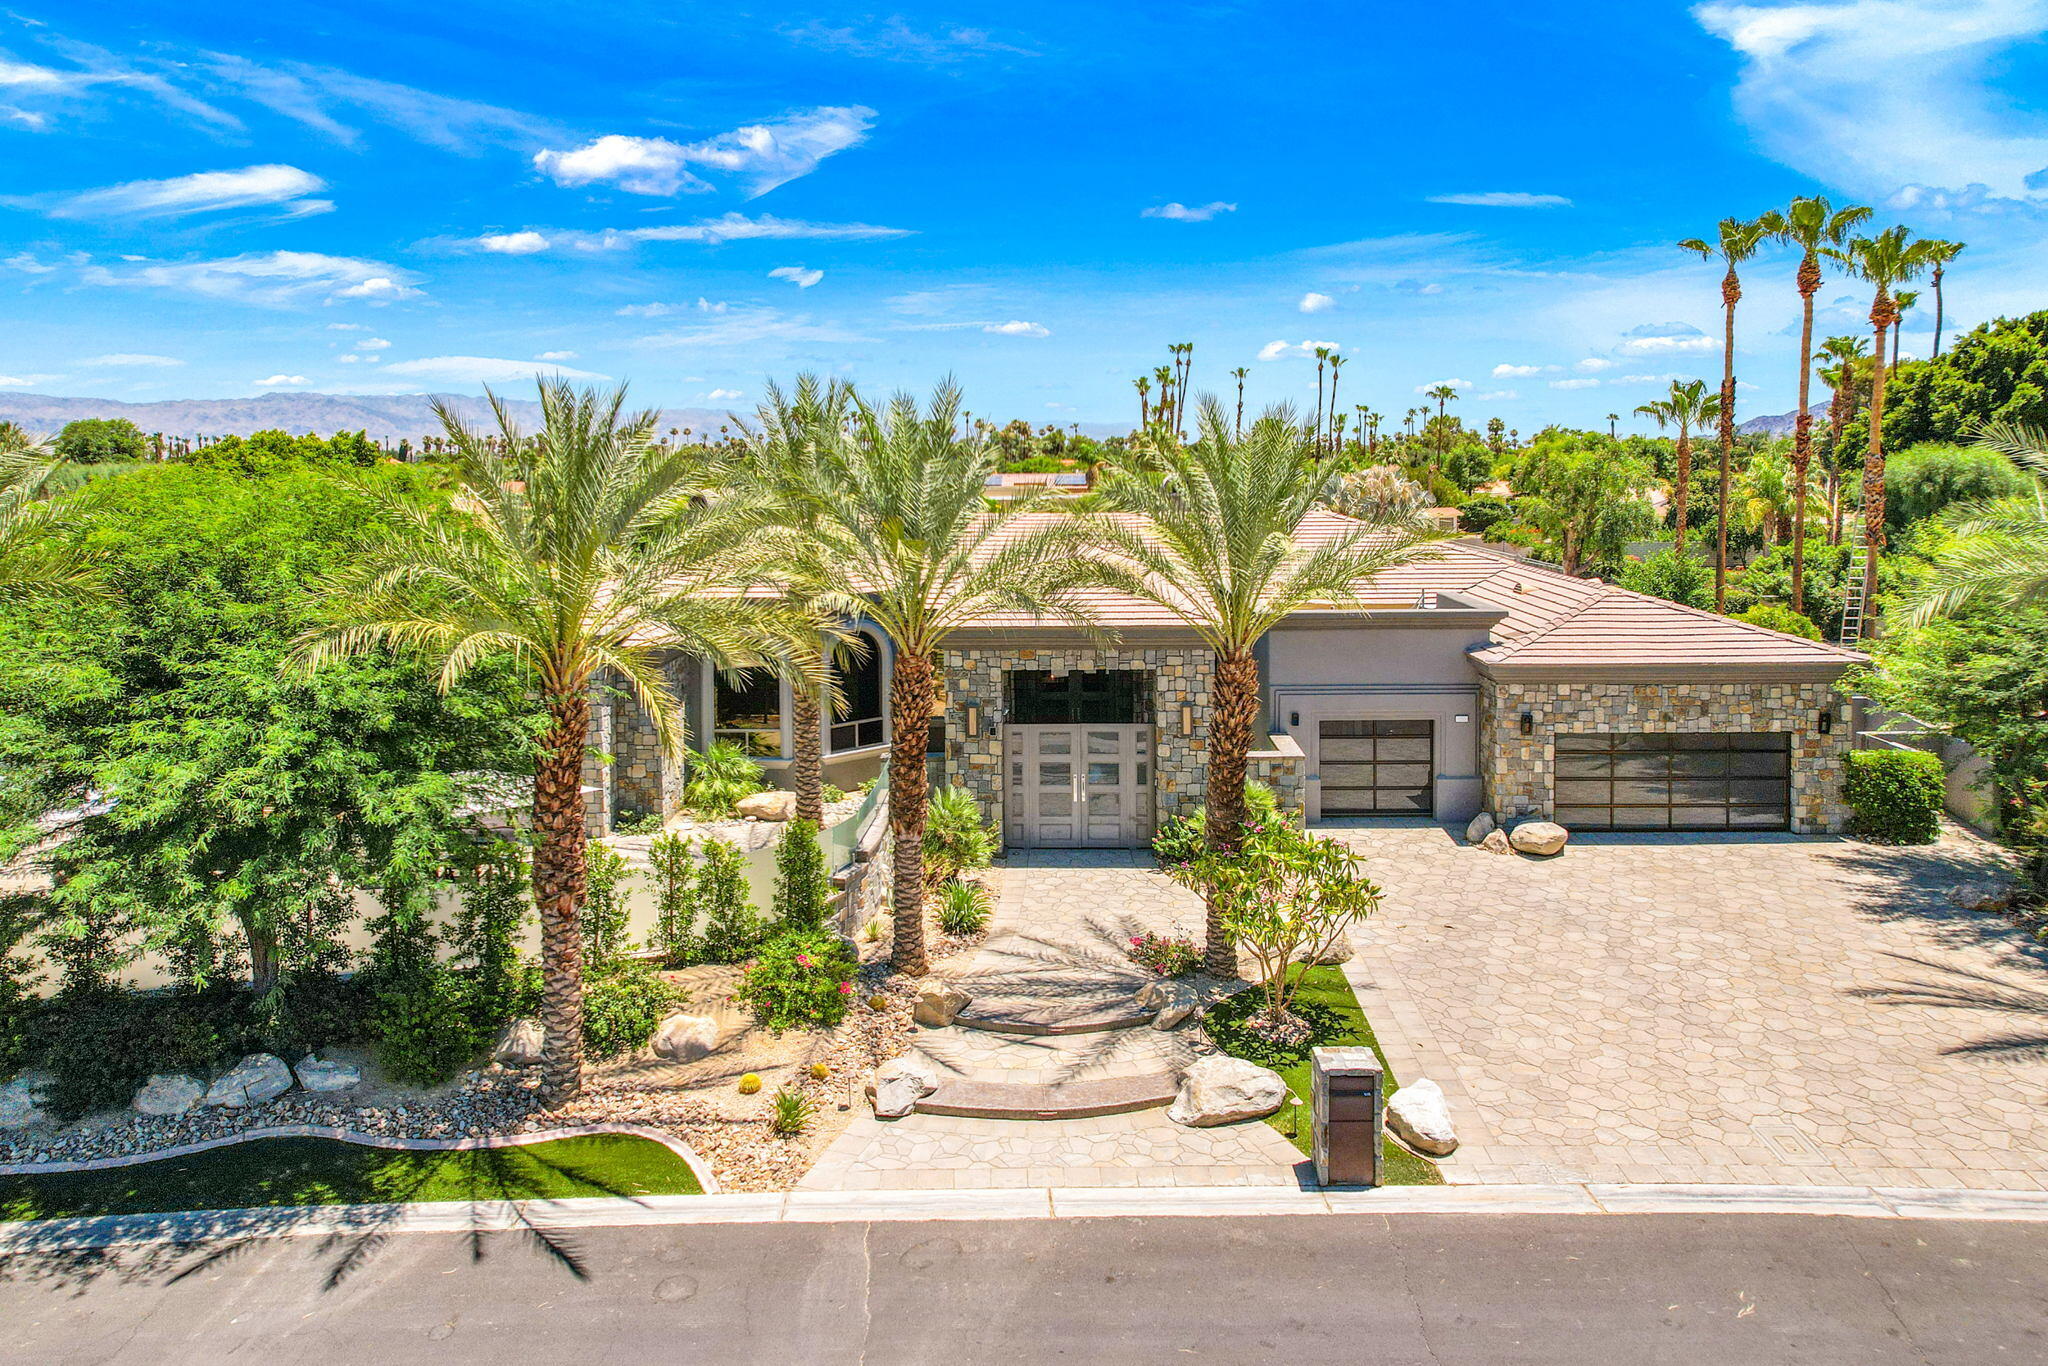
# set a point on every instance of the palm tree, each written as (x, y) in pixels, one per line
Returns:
(1846, 353)
(1905, 300)
(1736, 243)
(1322, 355)
(1939, 254)
(29, 558)
(1767, 499)
(1612, 418)
(584, 553)
(1810, 224)
(1239, 374)
(1689, 405)
(1336, 363)
(1885, 262)
(1213, 544)
(2000, 554)
(918, 551)
(1144, 388)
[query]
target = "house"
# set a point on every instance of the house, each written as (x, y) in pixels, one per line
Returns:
(1474, 680)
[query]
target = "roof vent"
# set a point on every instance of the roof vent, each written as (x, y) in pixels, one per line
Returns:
(1519, 588)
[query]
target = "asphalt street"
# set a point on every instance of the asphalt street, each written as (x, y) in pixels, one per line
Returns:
(1623, 1289)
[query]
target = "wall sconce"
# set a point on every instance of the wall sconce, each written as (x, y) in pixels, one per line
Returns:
(973, 720)
(1528, 723)
(1827, 720)
(1187, 720)
(1293, 719)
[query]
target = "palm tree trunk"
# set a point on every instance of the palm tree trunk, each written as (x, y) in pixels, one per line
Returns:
(1234, 711)
(1319, 405)
(1682, 495)
(1802, 427)
(1873, 472)
(1240, 406)
(1731, 293)
(911, 690)
(807, 768)
(558, 885)
(1937, 308)
(1336, 437)
(1897, 328)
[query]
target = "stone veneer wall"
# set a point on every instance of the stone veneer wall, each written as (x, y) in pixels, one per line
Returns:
(1516, 769)
(1281, 765)
(1180, 678)
(639, 775)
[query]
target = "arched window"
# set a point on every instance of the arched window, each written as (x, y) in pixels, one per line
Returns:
(857, 720)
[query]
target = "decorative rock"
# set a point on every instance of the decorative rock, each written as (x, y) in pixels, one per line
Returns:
(1496, 842)
(19, 1106)
(686, 1038)
(1338, 953)
(322, 1074)
(1419, 1117)
(938, 1003)
(253, 1080)
(168, 1093)
(519, 1044)
(900, 1084)
(1981, 896)
(1482, 825)
(1542, 838)
(767, 806)
(1171, 999)
(1220, 1089)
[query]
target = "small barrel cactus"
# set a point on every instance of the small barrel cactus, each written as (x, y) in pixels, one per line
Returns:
(819, 1071)
(878, 1002)
(750, 1083)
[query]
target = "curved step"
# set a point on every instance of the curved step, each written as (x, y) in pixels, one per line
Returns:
(1006, 1020)
(1067, 1100)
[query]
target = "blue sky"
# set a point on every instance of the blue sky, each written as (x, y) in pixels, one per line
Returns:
(215, 199)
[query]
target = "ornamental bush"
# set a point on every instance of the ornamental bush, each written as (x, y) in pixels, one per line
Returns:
(1896, 795)
(963, 908)
(956, 838)
(674, 874)
(1773, 616)
(801, 884)
(622, 1009)
(800, 981)
(732, 929)
(719, 777)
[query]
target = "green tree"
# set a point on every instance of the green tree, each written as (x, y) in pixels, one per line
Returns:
(1773, 617)
(1846, 355)
(266, 452)
(802, 885)
(1925, 480)
(586, 552)
(1994, 373)
(97, 440)
(1584, 494)
(1768, 503)
(1939, 254)
(1999, 556)
(1209, 538)
(1673, 576)
(1687, 406)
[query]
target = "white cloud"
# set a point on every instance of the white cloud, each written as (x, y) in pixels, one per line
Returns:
(1593, 365)
(1647, 379)
(1666, 346)
(275, 278)
(24, 75)
(556, 355)
(25, 381)
(512, 243)
(1280, 350)
(1497, 396)
(1820, 87)
(204, 192)
(372, 344)
(762, 155)
(1504, 199)
(797, 275)
(1586, 383)
(661, 310)
(1520, 371)
(281, 379)
(134, 358)
(722, 395)
(317, 96)
(731, 227)
(1313, 302)
(1017, 328)
(348, 358)
(29, 264)
(1184, 213)
(896, 41)
(1454, 383)
(481, 370)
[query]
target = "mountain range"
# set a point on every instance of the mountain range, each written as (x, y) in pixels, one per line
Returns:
(1781, 424)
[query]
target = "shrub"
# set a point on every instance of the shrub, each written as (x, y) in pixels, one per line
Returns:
(955, 836)
(486, 931)
(1774, 616)
(622, 1009)
(799, 981)
(317, 1010)
(963, 908)
(96, 440)
(801, 884)
(1230, 1026)
(20, 916)
(1896, 795)
(1183, 838)
(420, 1016)
(1477, 515)
(1167, 955)
(675, 899)
(719, 777)
(100, 1046)
(830, 793)
(604, 907)
(632, 822)
(1673, 577)
(793, 1111)
(732, 929)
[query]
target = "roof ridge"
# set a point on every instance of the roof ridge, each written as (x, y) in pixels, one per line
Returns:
(1593, 600)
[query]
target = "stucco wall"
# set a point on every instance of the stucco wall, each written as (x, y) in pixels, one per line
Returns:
(1518, 769)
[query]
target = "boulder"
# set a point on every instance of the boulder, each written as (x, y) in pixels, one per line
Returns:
(1496, 842)
(1981, 896)
(324, 1074)
(1419, 1117)
(20, 1104)
(169, 1093)
(1171, 1000)
(519, 1044)
(253, 1080)
(686, 1038)
(938, 1004)
(767, 806)
(1220, 1089)
(1542, 838)
(1482, 825)
(1338, 953)
(901, 1084)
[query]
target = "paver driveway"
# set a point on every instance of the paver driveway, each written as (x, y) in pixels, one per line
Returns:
(1720, 1008)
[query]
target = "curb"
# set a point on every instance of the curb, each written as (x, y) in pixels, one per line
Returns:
(1866, 1202)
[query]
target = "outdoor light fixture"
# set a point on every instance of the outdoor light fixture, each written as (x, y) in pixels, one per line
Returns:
(1293, 719)
(973, 720)
(1827, 721)
(1187, 720)
(1528, 723)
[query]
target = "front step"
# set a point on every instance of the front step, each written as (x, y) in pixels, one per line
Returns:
(1065, 1100)
(999, 1020)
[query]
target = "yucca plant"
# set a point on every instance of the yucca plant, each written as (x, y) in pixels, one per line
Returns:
(719, 777)
(964, 908)
(956, 838)
(793, 1113)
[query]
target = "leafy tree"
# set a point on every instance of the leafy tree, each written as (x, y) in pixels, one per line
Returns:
(675, 898)
(1468, 465)
(1479, 514)
(1672, 576)
(802, 885)
(98, 440)
(1583, 494)
(266, 452)
(732, 929)
(1997, 372)
(1926, 480)
(604, 908)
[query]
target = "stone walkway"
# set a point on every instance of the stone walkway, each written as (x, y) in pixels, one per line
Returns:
(1063, 919)
(1764, 1009)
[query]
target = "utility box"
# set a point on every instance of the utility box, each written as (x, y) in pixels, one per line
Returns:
(1349, 1115)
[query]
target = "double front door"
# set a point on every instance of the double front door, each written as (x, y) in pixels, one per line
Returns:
(1078, 786)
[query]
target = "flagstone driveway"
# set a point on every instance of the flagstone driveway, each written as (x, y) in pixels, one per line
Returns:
(1718, 1008)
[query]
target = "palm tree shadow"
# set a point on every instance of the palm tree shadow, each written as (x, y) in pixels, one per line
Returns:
(1956, 988)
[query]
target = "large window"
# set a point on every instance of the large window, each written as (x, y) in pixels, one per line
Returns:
(1039, 697)
(857, 721)
(747, 711)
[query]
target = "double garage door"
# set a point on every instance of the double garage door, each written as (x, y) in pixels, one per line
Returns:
(1620, 781)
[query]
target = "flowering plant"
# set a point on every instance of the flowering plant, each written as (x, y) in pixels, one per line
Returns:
(1166, 955)
(799, 981)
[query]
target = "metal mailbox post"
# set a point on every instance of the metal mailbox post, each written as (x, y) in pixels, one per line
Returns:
(1348, 1116)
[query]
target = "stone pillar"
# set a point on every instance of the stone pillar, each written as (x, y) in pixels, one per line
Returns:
(1347, 1100)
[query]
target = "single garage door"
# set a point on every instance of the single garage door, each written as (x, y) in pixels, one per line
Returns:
(1377, 768)
(1674, 782)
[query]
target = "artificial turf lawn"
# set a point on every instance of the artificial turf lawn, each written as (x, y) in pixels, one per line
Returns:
(1325, 998)
(326, 1171)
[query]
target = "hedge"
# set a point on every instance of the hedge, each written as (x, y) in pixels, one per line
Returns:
(1896, 795)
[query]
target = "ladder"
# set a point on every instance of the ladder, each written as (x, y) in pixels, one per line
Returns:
(1852, 587)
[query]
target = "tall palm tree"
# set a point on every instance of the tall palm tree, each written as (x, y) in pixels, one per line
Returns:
(1322, 357)
(1885, 262)
(1212, 543)
(1184, 367)
(29, 558)
(1443, 394)
(1240, 374)
(584, 553)
(1767, 500)
(1688, 406)
(1810, 223)
(1336, 363)
(1612, 419)
(2000, 554)
(1905, 299)
(1939, 254)
(919, 552)
(1840, 377)
(1736, 242)
(1144, 388)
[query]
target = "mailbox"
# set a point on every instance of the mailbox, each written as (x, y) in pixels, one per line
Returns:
(1348, 1116)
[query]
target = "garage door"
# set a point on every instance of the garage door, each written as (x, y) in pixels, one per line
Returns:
(1377, 768)
(1674, 782)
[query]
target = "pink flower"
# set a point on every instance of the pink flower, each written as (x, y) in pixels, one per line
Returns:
(846, 988)
(803, 961)
(1138, 939)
